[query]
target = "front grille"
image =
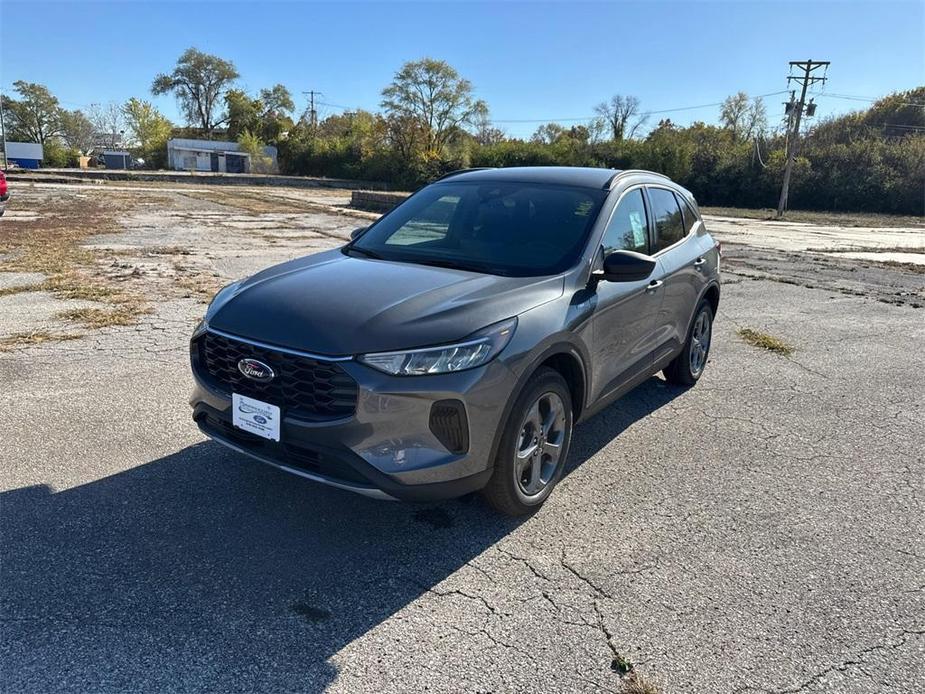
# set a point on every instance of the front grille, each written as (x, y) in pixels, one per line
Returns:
(303, 387)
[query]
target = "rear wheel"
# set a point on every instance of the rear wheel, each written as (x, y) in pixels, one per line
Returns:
(689, 366)
(533, 447)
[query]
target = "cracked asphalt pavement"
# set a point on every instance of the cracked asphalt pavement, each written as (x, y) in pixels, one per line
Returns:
(760, 532)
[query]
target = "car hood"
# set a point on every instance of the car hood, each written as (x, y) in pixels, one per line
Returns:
(334, 304)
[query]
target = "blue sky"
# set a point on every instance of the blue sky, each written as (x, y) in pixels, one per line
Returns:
(527, 60)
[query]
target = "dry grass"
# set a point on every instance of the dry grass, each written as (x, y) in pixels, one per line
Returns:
(126, 314)
(36, 337)
(845, 219)
(51, 245)
(870, 249)
(756, 338)
(198, 284)
(19, 289)
(636, 683)
(262, 202)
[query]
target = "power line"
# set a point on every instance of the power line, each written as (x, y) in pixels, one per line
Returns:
(851, 97)
(579, 119)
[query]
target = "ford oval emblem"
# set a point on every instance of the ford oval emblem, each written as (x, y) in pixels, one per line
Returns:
(256, 370)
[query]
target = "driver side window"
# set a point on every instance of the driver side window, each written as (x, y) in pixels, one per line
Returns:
(628, 227)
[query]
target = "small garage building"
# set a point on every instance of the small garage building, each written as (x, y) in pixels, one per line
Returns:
(27, 155)
(212, 155)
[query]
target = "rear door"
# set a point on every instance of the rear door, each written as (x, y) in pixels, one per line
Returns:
(624, 318)
(675, 244)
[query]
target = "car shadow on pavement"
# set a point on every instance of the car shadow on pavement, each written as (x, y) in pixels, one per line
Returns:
(200, 571)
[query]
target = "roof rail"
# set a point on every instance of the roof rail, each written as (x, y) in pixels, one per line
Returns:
(626, 172)
(461, 171)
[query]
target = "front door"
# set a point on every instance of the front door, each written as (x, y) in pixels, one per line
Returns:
(624, 318)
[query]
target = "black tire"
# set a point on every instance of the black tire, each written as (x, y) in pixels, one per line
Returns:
(681, 371)
(505, 491)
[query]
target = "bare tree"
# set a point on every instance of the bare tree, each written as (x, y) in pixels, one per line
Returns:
(486, 133)
(734, 114)
(621, 115)
(109, 123)
(744, 118)
(756, 119)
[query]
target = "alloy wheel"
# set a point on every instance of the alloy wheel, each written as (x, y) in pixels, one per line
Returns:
(700, 343)
(539, 447)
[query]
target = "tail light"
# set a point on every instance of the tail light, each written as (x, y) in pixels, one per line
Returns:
(2, 184)
(719, 249)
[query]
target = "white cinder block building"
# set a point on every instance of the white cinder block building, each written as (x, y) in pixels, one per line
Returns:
(212, 155)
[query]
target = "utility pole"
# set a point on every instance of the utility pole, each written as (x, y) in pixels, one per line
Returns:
(312, 113)
(3, 131)
(793, 135)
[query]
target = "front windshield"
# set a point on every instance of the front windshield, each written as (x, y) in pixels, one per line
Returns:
(517, 229)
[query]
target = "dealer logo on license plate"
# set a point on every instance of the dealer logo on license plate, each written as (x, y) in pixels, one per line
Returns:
(255, 416)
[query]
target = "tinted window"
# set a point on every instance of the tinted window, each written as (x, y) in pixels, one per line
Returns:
(690, 219)
(517, 229)
(627, 229)
(669, 225)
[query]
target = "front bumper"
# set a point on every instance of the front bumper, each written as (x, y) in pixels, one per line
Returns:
(387, 448)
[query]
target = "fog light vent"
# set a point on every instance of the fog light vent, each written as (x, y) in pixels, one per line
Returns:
(449, 424)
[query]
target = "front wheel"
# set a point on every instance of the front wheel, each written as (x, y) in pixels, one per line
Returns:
(688, 366)
(534, 446)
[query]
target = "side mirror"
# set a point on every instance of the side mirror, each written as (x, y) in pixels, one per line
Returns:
(627, 266)
(356, 232)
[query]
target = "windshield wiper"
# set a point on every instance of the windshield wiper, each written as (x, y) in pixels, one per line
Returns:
(456, 265)
(363, 251)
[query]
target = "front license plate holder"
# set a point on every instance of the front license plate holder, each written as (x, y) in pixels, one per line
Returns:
(255, 416)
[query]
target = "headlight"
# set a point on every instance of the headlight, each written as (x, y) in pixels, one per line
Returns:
(474, 351)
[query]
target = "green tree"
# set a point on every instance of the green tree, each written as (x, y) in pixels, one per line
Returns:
(267, 117)
(198, 81)
(277, 100)
(251, 144)
(149, 131)
(35, 116)
(77, 131)
(244, 113)
(428, 98)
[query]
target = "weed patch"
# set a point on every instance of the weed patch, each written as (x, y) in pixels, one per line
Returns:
(36, 337)
(756, 338)
(126, 314)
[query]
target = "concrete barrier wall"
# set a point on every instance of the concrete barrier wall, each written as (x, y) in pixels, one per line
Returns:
(376, 201)
(77, 175)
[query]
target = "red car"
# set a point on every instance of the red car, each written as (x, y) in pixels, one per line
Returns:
(4, 193)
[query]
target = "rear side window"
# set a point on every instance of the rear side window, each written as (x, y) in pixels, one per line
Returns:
(669, 224)
(628, 228)
(690, 219)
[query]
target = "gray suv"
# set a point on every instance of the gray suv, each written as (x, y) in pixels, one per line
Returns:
(452, 345)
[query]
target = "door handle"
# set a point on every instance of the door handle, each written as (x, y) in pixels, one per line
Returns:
(653, 285)
(699, 262)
